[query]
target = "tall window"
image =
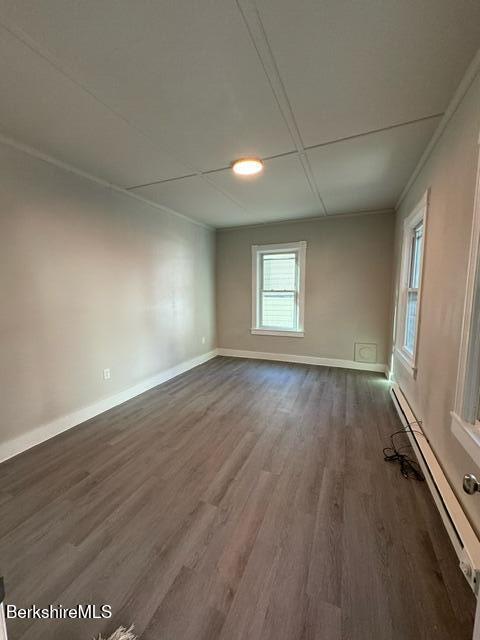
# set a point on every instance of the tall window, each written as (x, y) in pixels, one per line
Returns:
(416, 250)
(278, 288)
(410, 285)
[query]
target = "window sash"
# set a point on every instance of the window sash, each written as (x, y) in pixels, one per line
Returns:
(410, 334)
(410, 285)
(416, 250)
(412, 288)
(262, 291)
(284, 326)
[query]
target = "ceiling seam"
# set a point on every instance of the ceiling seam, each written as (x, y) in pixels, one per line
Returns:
(65, 166)
(280, 96)
(322, 218)
(258, 35)
(373, 131)
(154, 182)
(466, 82)
(206, 179)
(287, 115)
(37, 49)
(287, 154)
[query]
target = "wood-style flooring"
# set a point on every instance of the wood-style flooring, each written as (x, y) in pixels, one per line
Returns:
(242, 500)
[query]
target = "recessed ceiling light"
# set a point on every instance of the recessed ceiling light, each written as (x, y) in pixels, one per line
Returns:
(247, 166)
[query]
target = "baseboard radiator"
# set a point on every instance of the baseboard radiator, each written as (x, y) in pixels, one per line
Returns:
(462, 535)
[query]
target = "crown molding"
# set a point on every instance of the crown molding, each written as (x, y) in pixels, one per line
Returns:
(44, 157)
(462, 89)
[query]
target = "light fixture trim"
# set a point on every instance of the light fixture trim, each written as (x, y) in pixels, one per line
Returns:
(247, 166)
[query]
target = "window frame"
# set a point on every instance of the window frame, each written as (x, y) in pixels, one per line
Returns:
(410, 288)
(258, 251)
(411, 223)
(465, 415)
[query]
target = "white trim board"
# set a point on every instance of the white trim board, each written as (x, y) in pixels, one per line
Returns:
(462, 90)
(44, 432)
(316, 360)
(460, 531)
(258, 251)
(44, 157)
(417, 215)
(465, 425)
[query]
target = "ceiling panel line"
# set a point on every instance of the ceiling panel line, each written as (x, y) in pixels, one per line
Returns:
(294, 152)
(322, 218)
(257, 33)
(65, 166)
(153, 182)
(373, 131)
(194, 175)
(38, 50)
(252, 24)
(225, 193)
(470, 74)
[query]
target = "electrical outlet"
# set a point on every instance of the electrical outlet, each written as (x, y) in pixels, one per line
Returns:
(204, 340)
(106, 374)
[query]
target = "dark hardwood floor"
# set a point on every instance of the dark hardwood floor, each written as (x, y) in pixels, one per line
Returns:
(242, 500)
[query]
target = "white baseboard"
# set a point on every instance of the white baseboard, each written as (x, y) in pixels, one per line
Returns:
(44, 432)
(285, 357)
(463, 537)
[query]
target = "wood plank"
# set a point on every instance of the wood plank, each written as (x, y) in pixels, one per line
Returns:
(241, 500)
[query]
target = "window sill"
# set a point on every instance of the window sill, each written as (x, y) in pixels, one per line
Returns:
(274, 332)
(468, 435)
(406, 361)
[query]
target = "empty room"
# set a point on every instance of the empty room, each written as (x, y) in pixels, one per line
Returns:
(239, 319)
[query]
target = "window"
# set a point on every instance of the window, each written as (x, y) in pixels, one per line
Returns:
(413, 288)
(466, 411)
(278, 277)
(410, 284)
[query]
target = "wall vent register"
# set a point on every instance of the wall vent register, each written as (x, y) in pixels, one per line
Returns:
(365, 352)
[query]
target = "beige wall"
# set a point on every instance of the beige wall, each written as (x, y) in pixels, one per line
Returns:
(348, 285)
(450, 174)
(91, 278)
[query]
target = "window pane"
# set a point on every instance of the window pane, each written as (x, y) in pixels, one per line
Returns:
(417, 246)
(278, 310)
(411, 320)
(279, 271)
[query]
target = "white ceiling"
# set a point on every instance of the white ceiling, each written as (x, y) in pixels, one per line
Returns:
(149, 92)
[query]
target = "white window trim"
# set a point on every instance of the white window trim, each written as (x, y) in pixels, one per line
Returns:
(465, 426)
(418, 215)
(257, 250)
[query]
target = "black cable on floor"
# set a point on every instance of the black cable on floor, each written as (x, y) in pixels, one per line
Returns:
(409, 468)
